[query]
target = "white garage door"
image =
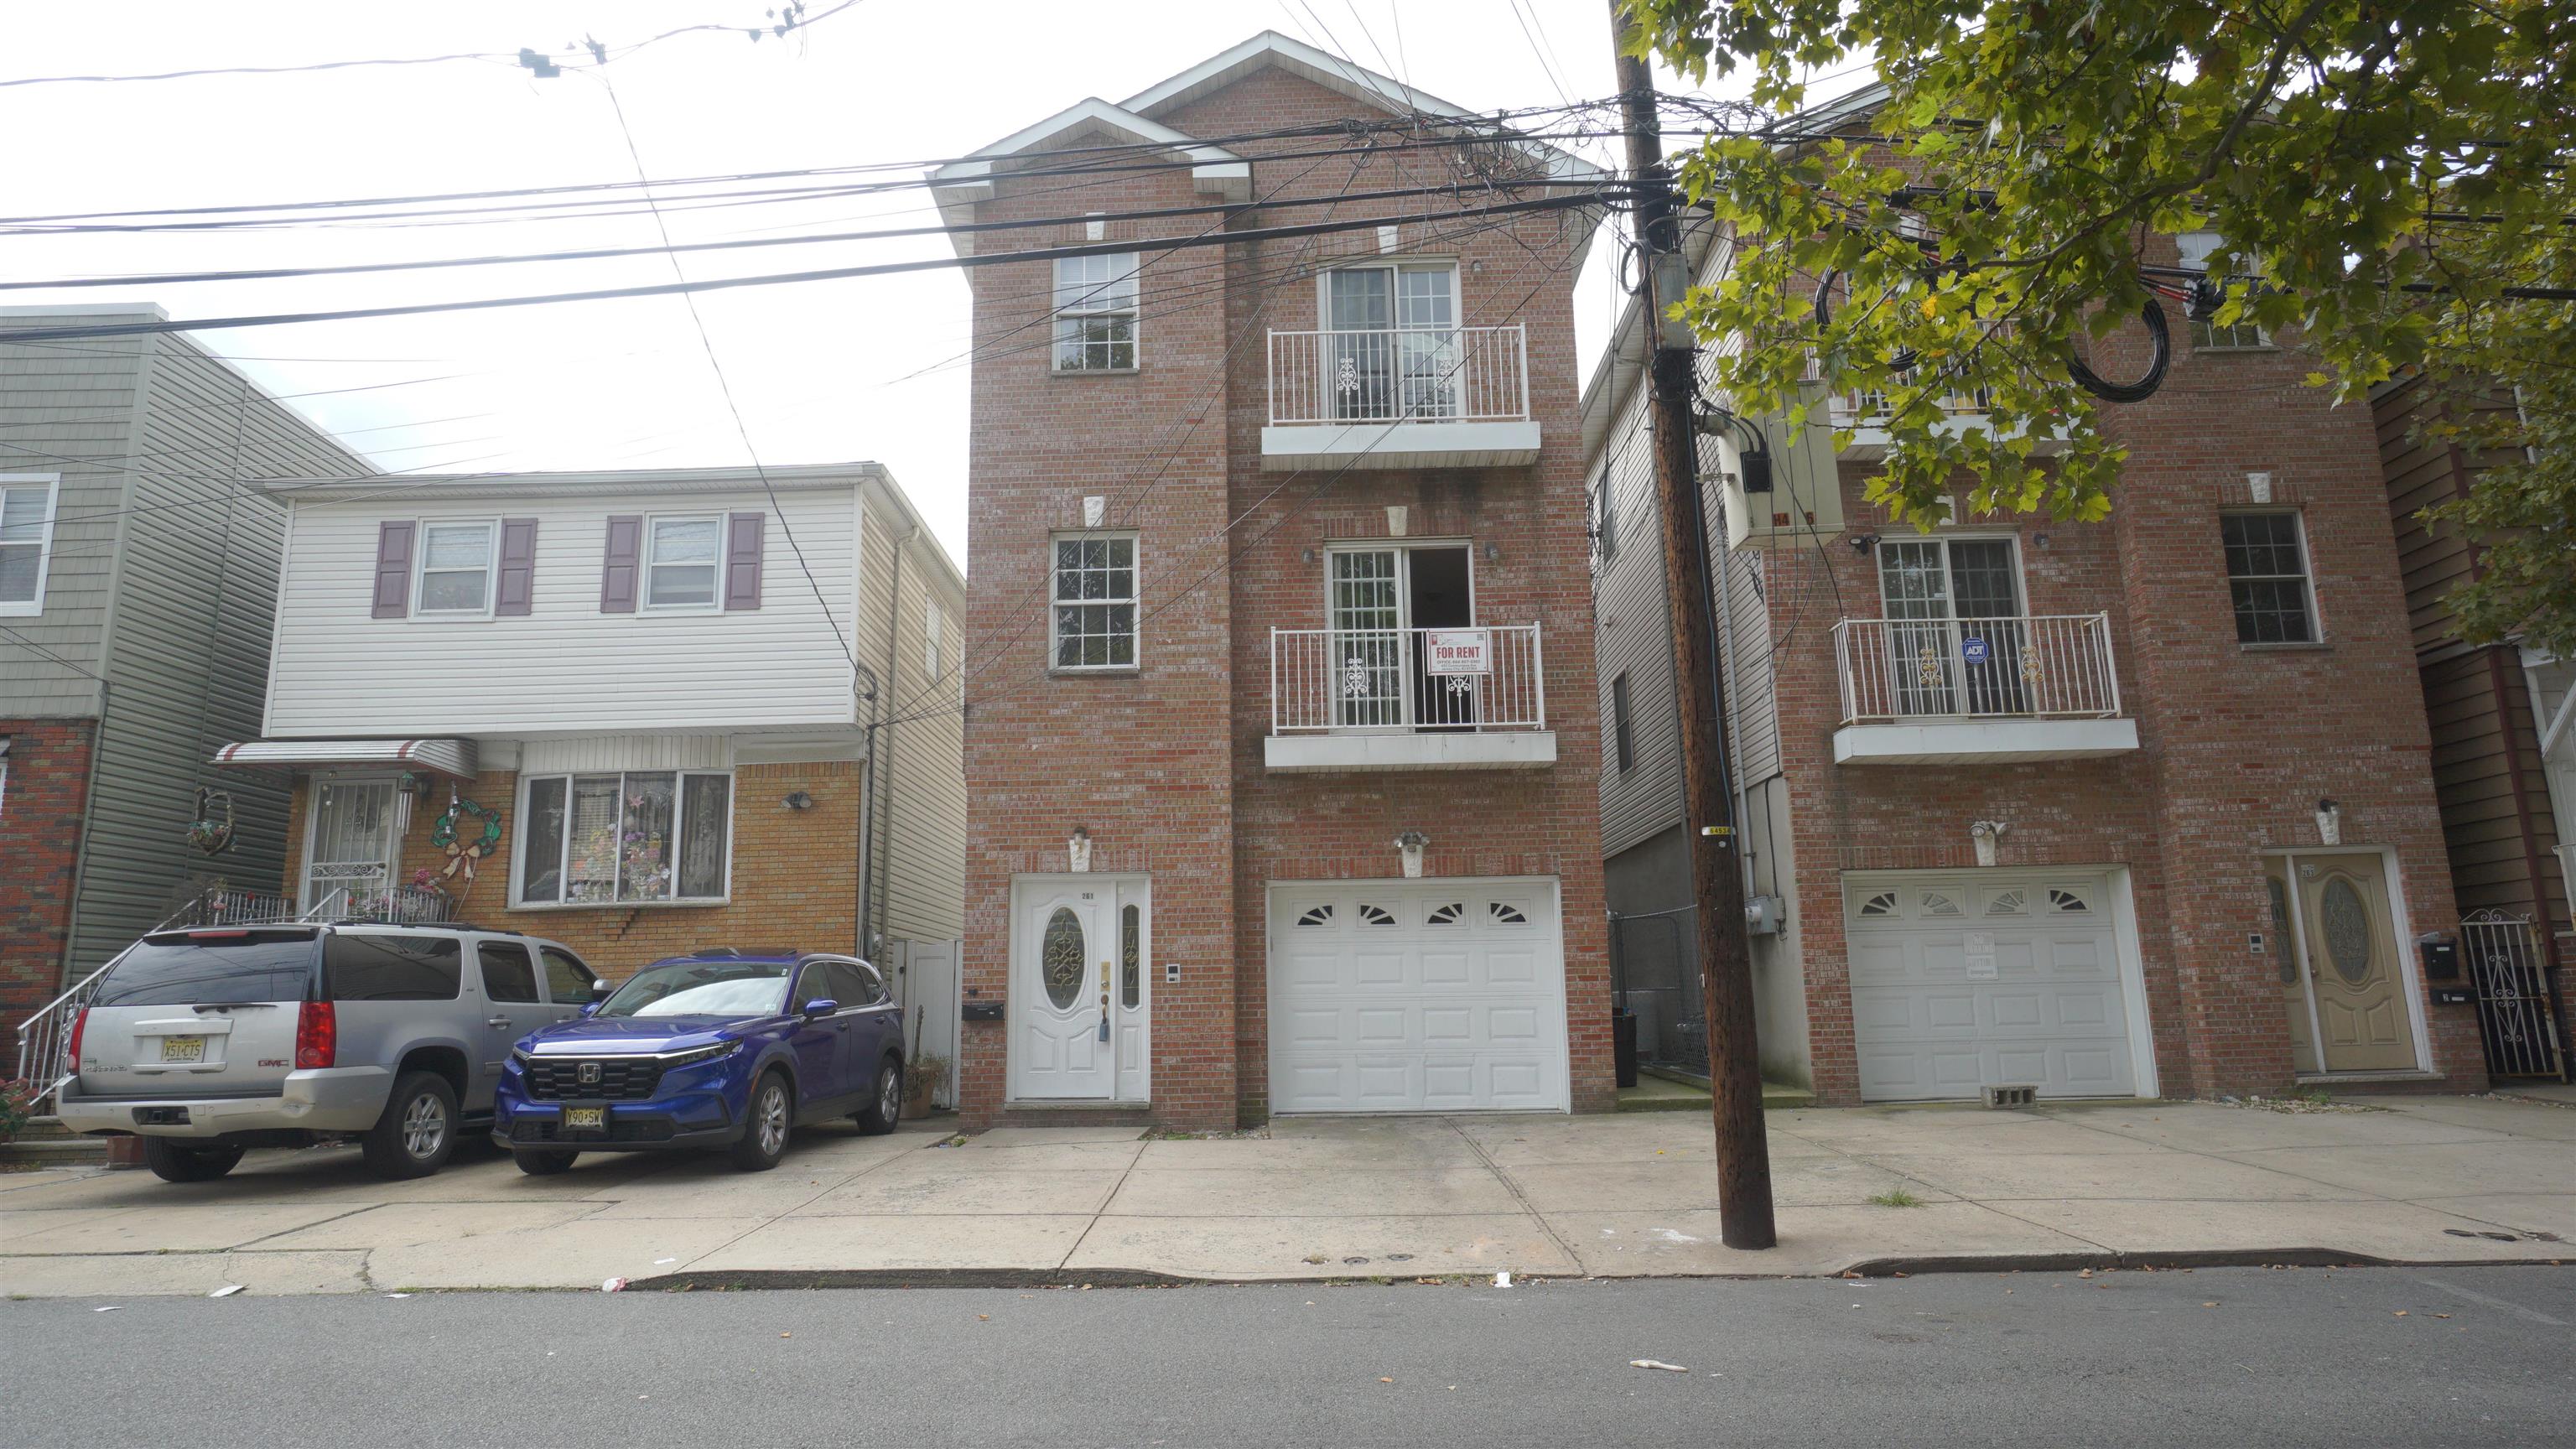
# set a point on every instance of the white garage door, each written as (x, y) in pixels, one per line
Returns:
(1990, 980)
(1416, 996)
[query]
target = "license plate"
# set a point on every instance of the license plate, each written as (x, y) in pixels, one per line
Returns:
(585, 1119)
(183, 1049)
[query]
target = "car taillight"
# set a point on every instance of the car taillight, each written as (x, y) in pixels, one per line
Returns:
(317, 1035)
(71, 1046)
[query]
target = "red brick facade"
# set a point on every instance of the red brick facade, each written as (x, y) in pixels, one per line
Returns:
(40, 828)
(2238, 743)
(1164, 766)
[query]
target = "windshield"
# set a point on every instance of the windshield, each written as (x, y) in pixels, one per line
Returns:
(232, 969)
(702, 988)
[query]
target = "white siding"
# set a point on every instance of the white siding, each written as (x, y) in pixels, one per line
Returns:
(567, 668)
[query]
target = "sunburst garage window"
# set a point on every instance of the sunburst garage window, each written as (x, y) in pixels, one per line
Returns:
(639, 838)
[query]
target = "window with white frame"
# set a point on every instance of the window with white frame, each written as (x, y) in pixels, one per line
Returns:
(1095, 313)
(1092, 622)
(456, 565)
(682, 558)
(26, 539)
(2197, 247)
(930, 627)
(2267, 577)
(1605, 516)
(632, 838)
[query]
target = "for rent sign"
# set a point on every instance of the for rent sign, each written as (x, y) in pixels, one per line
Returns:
(1457, 651)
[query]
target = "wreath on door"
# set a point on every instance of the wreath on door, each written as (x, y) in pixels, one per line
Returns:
(464, 849)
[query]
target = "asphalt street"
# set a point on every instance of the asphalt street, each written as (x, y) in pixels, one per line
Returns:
(2341, 1357)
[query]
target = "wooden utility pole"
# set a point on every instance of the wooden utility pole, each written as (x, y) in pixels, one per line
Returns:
(1717, 878)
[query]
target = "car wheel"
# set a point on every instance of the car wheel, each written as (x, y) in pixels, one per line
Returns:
(886, 1107)
(172, 1162)
(764, 1135)
(418, 1130)
(543, 1164)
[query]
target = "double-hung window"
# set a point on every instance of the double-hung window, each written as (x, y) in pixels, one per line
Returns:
(2197, 247)
(639, 837)
(26, 539)
(456, 565)
(1092, 622)
(931, 624)
(2267, 578)
(1095, 313)
(681, 561)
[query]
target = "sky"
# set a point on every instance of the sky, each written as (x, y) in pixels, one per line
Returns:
(868, 368)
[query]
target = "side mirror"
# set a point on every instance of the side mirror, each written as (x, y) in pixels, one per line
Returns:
(820, 1006)
(591, 1007)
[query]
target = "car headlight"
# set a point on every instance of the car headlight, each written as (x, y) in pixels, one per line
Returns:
(702, 1054)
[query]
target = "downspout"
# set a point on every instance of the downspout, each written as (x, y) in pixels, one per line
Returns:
(863, 854)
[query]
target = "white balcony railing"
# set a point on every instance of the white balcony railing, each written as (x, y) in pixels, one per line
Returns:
(2050, 666)
(1400, 375)
(1352, 681)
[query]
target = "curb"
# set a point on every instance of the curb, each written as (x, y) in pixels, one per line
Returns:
(2163, 1261)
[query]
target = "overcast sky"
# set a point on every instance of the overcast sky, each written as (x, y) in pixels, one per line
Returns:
(865, 368)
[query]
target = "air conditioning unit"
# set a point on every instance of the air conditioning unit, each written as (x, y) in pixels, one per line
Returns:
(1781, 494)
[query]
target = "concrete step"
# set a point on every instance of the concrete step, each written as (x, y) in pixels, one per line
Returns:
(1673, 1092)
(1074, 1114)
(46, 1129)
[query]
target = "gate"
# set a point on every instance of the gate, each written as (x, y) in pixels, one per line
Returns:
(2515, 1018)
(1654, 972)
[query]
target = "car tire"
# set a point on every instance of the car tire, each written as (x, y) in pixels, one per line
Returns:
(771, 1116)
(885, 1104)
(417, 1133)
(543, 1164)
(172, 1162)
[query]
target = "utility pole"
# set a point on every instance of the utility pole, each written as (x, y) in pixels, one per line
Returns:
(1717, 879)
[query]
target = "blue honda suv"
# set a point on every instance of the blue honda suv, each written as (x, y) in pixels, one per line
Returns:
(723, 1048)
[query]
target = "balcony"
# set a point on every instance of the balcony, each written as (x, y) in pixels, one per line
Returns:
(1408, 699)
(1865, 415)
(1411, 397)
(1978, 691)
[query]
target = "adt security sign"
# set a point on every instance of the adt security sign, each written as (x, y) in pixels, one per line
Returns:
(1973, 650)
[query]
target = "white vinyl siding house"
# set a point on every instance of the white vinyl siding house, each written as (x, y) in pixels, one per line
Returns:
(449, 666)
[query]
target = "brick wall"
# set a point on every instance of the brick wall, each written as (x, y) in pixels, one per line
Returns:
(40, 826)
(1165, 765)
(2238, 743)
(795, 872)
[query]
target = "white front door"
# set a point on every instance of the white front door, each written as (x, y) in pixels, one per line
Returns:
(1416, 996)
(349, 850)
(1075, 1035)
(1989, 979)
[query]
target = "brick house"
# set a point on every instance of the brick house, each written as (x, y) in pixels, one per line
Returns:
(1277, 562)
(2135, 807)
(629, 711)
(136, 574)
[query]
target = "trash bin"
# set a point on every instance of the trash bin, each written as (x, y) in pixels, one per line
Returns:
(1623, 1045)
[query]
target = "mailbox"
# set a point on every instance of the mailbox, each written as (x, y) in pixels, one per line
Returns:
(983, 1011)
(2440, 953)
(2454, 996)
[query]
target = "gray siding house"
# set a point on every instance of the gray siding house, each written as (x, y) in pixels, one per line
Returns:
(138, 584)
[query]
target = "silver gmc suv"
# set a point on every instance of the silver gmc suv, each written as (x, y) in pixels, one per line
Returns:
(207, 1042)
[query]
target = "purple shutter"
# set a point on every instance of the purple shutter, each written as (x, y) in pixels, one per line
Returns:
(617, 572)
(744, 533)
(393, 569)
(514, 593)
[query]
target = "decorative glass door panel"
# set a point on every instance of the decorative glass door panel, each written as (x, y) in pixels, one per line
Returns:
(1359, 311)
(1368, 638)
(351, 864)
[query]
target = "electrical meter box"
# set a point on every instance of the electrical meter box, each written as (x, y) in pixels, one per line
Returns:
(1804, 496)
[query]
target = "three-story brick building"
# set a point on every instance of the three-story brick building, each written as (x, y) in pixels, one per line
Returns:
(1280, 696)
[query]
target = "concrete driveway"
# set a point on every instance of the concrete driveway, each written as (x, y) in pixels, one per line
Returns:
(2412, 1180)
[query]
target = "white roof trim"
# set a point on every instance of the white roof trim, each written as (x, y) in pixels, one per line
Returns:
(957, 186)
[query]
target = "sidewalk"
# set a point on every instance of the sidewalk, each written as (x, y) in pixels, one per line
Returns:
(2418, 1180)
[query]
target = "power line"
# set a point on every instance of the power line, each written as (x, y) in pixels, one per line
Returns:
(1598, 195)
(24, 642)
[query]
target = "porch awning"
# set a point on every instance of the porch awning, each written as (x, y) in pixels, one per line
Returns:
(446, 757)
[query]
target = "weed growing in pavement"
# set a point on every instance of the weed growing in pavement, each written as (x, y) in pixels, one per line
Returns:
(1895, 1197)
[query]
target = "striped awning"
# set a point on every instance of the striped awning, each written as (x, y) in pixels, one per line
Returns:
(445, 757)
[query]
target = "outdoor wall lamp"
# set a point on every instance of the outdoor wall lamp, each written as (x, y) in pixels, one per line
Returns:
(1410, 845)
(2329, 823)
(1987, 835)
(1077, 850)
(1493, 553)
(1864, 542)
(798, 800)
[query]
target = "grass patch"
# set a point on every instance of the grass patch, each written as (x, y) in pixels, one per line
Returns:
(1895, 1197)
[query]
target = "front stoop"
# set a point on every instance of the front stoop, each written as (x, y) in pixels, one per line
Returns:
(45, 1142)
(1075, 1114)
(1658, 1091)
